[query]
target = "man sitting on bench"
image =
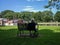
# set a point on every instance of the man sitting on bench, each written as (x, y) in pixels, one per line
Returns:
(32, 27)
(20, 25)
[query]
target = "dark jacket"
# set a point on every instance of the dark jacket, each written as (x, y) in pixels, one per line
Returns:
(32, 26)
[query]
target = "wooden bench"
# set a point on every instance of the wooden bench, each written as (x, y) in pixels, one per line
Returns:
(25, 27)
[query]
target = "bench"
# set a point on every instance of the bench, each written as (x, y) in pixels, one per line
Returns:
(27, 27)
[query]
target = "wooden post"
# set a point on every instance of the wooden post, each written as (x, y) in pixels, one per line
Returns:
(57, 23)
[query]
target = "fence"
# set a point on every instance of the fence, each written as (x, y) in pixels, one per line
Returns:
(49, 23)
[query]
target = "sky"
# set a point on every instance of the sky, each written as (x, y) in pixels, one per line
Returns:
(24, 5)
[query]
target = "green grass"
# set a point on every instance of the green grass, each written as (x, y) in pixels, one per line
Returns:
(49, 35)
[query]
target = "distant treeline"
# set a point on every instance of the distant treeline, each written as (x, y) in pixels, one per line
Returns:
(45, 16)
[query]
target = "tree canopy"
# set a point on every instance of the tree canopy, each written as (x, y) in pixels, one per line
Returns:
(45, 16)
(57, 16)
(53, 3)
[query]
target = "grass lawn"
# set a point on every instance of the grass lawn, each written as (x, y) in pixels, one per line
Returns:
(49, 35)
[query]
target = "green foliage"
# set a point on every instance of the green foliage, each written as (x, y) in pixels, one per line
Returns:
(0, 15)
(47, 16)
(26, 15)
(38, 16)
(57, 16)
(6, 11)
(7, 14)
(17, 15)
(53, 3)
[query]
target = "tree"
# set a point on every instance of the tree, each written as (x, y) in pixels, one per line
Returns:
(53, 3)
(38, 16)
(9, 15)
(17, 15)
(6, 11)
(57, 16)
(0, 15)
(47, 16)
(26, 15)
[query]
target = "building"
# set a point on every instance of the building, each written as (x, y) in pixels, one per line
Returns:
(6, 22)
(1, 22)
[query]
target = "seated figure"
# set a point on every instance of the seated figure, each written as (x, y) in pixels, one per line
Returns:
(32, 27)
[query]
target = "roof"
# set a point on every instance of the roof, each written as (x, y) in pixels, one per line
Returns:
(3, 19)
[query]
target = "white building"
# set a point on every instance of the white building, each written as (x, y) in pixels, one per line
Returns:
(6, 22)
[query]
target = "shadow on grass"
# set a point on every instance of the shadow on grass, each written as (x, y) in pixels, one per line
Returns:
(47, 37)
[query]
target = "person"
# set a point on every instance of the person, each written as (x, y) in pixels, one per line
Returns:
(32, 27)
(20, 26)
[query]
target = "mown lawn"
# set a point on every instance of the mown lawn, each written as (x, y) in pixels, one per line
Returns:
(49, 35)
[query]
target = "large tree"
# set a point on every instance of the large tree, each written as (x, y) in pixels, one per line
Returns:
(0, 15)
(47, 16)
(53, 3)
(17, 15)
(6, 11)
(38, 16)
(26, 15)
(7, 14)
(57, 16)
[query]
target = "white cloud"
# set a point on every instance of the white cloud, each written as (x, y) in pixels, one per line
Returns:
(30, 8)
(34, 0)
(28, 0)
(39, 0)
